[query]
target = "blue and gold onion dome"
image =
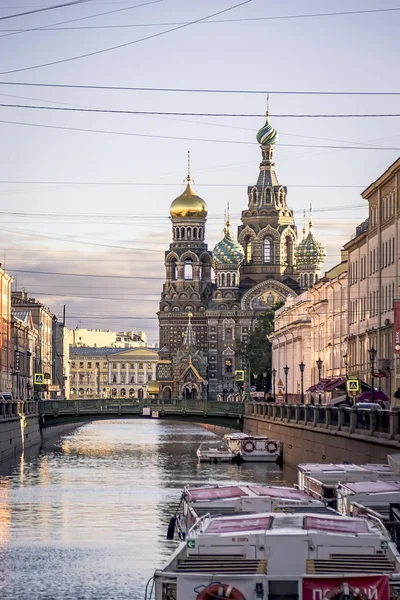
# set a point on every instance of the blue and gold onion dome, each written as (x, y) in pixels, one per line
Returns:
(310, 252)
(228, 251)
(267, 135)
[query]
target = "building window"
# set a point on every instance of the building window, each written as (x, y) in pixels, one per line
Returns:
(267, 250)
(248, 250)
(104, 365)
(73, 365)
(140, 365)
(188, 269)
(228, 366)
(131, 393)
(122, 365)
(81, 392)
(114, 365)
(97, 365)
(228, 334)
(114, 392)
(89, 365)
(81, 365)
(123, 393)
(114, 379)
(289, 250)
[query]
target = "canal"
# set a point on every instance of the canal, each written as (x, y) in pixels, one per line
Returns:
(85, 517)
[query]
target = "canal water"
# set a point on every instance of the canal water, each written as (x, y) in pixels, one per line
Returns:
(85, 518)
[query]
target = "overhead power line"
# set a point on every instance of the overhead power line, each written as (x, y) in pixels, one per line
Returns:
(196, 114)
(157, 184)
(239, 20)
(118, 46)
(44, 8)
(84, 275)
(190, 139)
(200, 90)
(49, 27)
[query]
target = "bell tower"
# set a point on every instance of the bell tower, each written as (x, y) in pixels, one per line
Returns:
(188, 284)
(268, 233)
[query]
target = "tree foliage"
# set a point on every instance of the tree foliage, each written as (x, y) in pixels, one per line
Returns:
(257, 350)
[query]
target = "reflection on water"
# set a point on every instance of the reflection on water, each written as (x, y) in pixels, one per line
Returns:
(86, 517)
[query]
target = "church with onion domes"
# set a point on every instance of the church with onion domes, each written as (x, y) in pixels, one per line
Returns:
(211, 300)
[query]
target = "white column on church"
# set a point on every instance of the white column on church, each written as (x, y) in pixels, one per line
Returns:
(118, 372)
(127, 373)
(136, 373)
(109, 372)
(145, 373)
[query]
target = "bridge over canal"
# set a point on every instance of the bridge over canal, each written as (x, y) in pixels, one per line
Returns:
(56, 412)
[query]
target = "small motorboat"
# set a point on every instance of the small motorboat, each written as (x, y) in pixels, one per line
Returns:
(214, 452)
(253, 448)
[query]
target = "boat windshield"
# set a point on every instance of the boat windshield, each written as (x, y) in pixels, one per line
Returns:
(215, 445)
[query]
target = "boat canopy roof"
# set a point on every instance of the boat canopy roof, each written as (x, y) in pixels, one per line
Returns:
(231, 492)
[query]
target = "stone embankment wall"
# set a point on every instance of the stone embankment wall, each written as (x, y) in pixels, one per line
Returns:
(19, 427)
(303, 444)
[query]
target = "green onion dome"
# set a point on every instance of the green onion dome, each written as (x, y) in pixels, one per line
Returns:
(228, 250)
(310, 252)
(267, 135)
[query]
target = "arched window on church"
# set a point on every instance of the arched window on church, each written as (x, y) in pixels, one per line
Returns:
(233, 279)
(188, 269)
(267, 250)
(305, 280)
(289, 250)
(228, 280)
(311, 279)
(189, 233)
(268, 196)
(177, 233)
(222, 279)
(194, 233)
(173, 269)
(248, 251)
(182, 233)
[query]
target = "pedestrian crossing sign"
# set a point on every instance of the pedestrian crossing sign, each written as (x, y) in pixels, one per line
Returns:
(239, 375)
(353, 385)
(39, 378)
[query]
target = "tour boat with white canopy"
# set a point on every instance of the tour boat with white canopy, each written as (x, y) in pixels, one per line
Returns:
(282, 556)
(321, 480)
(254, 448)
(374, 495)
(234, 499)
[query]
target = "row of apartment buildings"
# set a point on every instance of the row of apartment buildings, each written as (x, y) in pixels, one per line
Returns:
(350, 310)
(78, 363)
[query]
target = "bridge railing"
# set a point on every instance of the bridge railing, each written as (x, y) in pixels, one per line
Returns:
(14, 409)
(121, 406)
(378, 423)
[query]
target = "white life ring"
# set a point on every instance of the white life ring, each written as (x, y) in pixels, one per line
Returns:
(248, 446)
(272, 447)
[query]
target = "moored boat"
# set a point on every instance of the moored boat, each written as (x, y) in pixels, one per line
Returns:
(214, 452)
(234, 499)
(254, 448)
(281, 555)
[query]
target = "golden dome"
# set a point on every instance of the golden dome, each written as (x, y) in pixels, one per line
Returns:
(188, 204)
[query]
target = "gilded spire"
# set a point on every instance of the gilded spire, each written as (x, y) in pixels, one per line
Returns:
(188, 177)
(304, 225)
(310, 221)
(267, 135)
(267, 113)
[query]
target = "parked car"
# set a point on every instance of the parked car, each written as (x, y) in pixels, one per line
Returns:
(6, 397)
(369, 405)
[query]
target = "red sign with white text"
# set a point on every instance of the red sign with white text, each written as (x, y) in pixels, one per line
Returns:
(396, 327)
(372, 587)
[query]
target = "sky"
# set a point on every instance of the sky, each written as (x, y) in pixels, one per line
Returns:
(85, 196)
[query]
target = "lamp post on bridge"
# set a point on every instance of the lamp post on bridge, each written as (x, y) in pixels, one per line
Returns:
(346, 358)
(286, 371)
(302, 367)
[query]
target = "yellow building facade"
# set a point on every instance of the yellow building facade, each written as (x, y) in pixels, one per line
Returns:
(112, 373)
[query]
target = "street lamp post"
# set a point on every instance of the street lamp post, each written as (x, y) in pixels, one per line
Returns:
(273, 382)
(301, 367)
(286, 371)
(372, 356)
(319, 367)
(265, 374)
(346, 358)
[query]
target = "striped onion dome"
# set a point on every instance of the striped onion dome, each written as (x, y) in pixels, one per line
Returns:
(267, 135)
(310, 252)
(228, 251)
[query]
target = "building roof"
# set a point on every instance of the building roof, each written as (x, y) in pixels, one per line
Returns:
(394, 167)
(21, 315)
(89, 351)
